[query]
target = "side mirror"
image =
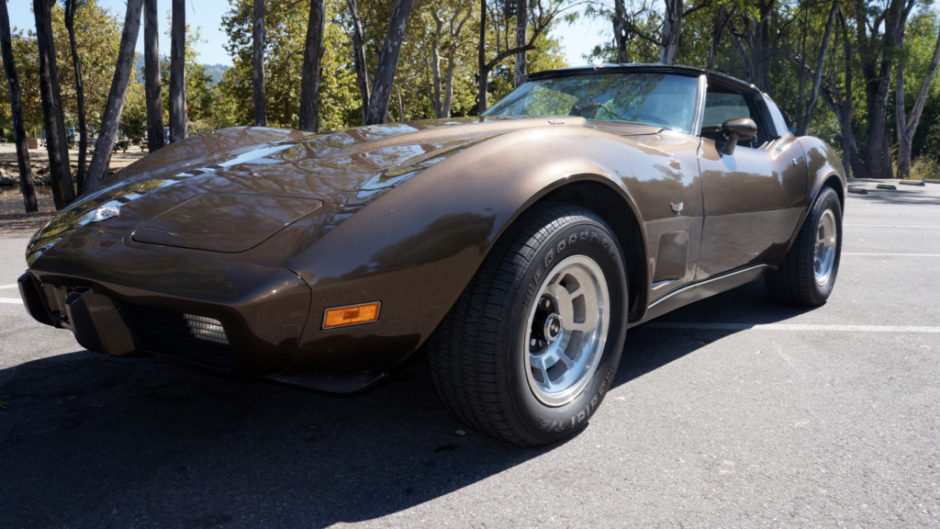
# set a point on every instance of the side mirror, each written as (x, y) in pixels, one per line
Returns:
(735, 130)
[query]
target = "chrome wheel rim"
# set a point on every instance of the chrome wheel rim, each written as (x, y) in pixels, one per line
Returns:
(824, 254)
(566, 330)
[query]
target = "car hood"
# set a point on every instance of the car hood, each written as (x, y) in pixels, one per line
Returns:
(230, 190)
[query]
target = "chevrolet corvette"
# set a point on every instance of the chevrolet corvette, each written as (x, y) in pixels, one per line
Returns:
(515, 248)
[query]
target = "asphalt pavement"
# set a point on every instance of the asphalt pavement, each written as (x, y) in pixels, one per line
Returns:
(732, 412)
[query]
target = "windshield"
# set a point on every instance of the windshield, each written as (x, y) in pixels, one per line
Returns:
(656, 99)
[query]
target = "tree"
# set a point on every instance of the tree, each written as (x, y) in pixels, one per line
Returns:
(806, 105)
(621, 35)
(310, 73)
(545, 13)
(907, 123)
(522, 23)
(446, 40)
(388, 62)
(178, 72)
(112, 113)
(753, 40)
(70, 6)
(257, 55)
(285, 35)
(56, 144)
(154, 101)
(672, 22)
(359, 56)
(16, 109)
(839, 96)
(879, 42)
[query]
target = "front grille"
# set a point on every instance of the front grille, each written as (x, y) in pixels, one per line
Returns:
(167, 332)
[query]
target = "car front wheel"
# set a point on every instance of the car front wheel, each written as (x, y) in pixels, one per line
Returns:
(533, 343)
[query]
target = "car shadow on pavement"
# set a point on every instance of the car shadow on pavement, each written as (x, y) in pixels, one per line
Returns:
(93, 441)
(665, 339)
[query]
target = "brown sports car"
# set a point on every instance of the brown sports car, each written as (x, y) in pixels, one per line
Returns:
(517, 248)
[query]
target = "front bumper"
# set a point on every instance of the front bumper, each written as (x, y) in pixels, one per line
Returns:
(258, 332)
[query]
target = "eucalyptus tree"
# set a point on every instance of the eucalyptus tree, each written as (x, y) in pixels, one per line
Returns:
(178, 72)
(388, 62)
(359, 55)
(63, 191)
(112, 112)
(257, 60)
(154, 100)
(495, 36)
(522, 23)
(907, 123)
(16, 110)
(70, 7)
(310, 73)
(880, 33)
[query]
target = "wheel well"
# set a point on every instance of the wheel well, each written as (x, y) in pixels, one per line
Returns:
(835, 183)
(607, 203)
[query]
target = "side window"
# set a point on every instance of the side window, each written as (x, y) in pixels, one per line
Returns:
(722, 105)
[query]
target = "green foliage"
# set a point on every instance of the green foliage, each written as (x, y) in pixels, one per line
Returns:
(98, 35)
(285, 29)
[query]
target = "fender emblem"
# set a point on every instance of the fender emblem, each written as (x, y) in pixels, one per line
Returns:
(676, 207)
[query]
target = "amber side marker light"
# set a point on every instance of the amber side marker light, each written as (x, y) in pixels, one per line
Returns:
(351, 315)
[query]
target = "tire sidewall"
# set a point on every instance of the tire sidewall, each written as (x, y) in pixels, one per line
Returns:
(580, 235)
(828, 200)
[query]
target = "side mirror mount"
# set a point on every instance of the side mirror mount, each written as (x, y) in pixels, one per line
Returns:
(735, 130)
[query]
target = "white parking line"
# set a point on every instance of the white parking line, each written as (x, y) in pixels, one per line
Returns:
(802, 327)
(4, 287)
(885, 254)
(16, 301)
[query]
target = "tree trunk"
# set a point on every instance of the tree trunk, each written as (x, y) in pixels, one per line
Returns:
(359, 57)
(672, 22)
(762, 55)
(79, 96)
(56, 143)
(721, 20)
(152, 76)
(878, 59)
(388, 62)
(620, 30)
(437, 104)
(112, 111)
(907, 126)
(257, 60)
(310, 73)
(178, 72)
(806, 116)
(449, 86)
(16, 108)
(483, 81)
(522, 23)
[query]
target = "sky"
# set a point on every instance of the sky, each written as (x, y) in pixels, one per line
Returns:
(577, 39)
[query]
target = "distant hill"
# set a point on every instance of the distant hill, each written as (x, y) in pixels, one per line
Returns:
(215, 71)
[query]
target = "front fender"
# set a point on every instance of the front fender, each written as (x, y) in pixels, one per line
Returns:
(417, 247)
(822, 164)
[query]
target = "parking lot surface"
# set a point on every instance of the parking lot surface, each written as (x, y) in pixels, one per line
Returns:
(732, 412)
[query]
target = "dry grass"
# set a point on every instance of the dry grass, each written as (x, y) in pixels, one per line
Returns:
(924, 167)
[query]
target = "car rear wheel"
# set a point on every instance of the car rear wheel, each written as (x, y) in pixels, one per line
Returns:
(808, 273)
(533, 343)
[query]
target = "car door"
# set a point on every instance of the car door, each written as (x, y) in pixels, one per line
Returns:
(753, 197)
